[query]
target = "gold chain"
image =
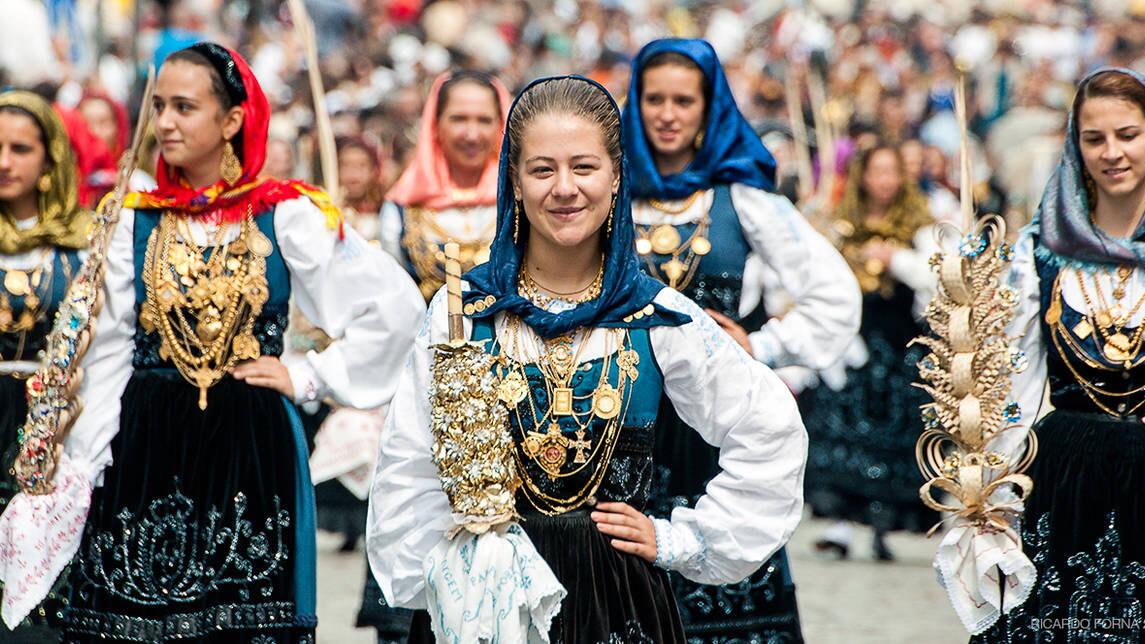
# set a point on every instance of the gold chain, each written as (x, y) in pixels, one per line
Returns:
(662, 239)
(426, 255)
(663, 206)
(547, 445)
(529, 289)
(203, 302)
(1059, 332)
(26, 284)
(37, 300)
(1117, 347)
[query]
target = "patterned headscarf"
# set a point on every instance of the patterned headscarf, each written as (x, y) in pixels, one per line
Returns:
(221, 200)
(1063, 221)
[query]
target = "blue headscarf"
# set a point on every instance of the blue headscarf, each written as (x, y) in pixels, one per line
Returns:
(1062, 220)
(731, 152)
(625, 290)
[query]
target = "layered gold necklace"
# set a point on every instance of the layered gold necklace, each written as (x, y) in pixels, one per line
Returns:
(425, 251)
(529, 289)
(664, 239)
(551, 449)
(1105, 325)
(26, 284)
(203, 302)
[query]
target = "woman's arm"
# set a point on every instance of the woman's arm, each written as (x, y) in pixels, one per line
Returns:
(359, 296)
(826, 300)
(409, 513)
(736, 403)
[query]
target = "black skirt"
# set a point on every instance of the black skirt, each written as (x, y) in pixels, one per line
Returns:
(204, 526)
(613, 598)
(860, 462)
(761, 608)
(1084, 530)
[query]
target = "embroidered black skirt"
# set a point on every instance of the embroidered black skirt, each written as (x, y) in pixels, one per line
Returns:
(860, 461)
(613, 598)
(204, 527)
(1084, 529)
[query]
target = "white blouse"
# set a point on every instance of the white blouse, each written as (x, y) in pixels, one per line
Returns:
(826, 302)
(748, 511)
(356, 293)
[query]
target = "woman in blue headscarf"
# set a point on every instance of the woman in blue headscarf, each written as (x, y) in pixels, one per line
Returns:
(1080, 317)
(587, 346)
(702, 186)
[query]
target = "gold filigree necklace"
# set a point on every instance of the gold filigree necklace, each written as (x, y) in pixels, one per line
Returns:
(26, 284)
(529, 289)
(552, 449)
(422, 237)
(203, 302)
(661, 238)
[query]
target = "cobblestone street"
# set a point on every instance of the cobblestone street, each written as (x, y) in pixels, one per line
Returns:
(858, 601)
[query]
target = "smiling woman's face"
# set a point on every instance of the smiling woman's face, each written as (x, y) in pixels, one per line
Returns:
(565, 179)
(1111, 135)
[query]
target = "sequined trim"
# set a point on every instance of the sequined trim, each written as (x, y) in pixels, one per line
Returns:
(228, 617)
(633, 633)
(1101, 603)
(720, 291)
(269, 329)
(168, 557)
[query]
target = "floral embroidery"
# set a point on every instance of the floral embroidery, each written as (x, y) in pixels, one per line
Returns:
(1102, 604)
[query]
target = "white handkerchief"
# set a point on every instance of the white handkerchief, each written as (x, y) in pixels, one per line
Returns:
(492, 588)
(971, 564)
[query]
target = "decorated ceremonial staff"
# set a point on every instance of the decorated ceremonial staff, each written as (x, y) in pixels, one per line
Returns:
(972, 451)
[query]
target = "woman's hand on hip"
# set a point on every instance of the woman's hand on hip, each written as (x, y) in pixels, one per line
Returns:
(632, 532)
(266, 371)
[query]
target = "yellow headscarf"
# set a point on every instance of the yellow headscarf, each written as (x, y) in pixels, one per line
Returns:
(61, 220)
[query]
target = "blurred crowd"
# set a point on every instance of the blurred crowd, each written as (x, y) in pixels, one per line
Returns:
(889, 69)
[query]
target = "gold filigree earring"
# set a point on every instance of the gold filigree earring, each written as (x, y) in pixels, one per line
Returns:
(44, 184)
(611, 212)
(230, 168)
(699, 140)
(516, 219)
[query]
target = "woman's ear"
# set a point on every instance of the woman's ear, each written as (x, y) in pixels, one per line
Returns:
(232, 122)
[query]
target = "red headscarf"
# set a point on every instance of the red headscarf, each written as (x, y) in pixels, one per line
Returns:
(122, 121)
(222, 201)
(94, 162)
(426, 182)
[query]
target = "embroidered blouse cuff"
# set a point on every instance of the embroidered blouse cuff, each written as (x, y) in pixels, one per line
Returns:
(677, 547)
(308, 387)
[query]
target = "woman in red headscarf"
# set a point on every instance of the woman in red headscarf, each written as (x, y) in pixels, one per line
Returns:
(108, 123)
(201, 523)
(449, 191)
